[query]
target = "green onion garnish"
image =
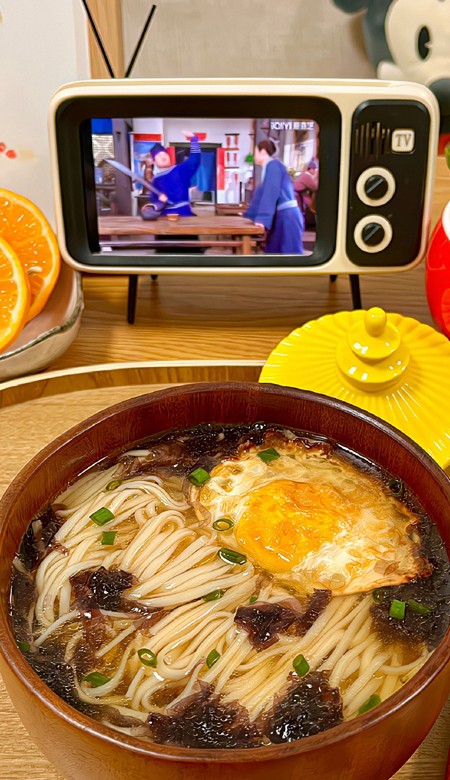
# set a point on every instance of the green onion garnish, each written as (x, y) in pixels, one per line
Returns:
(372, 701)
(397, 609)
(108, 537)
(214, 595)
(253, 599)
(24, 646)
(113, 484)
(378, 595)
(420, 609)
(268, 455)
(223, 524)
(301, 665)
(146, 657)
(102, 516)
(199, 477)
(212, 658)
(232, 556)
(396, 487)
(96, 679)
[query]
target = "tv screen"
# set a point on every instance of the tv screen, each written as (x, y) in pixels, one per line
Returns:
(223, 186)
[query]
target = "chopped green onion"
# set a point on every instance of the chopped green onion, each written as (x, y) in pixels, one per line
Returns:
(396, 487)
(420, 609)
(301, 665)
(147, 657)
(96, 679)
(372, 701)
(108, 537)
(199, 477)
(397, 609)
(214, 595)
(268, 455)
(212, 658)
(24, 646)
(253, 599)
(378, 595)
(223, 524)
(102, 516)
(232, 556)
(115, 483)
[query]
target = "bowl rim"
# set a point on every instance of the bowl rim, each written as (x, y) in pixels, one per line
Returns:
(56, 329)
(18, 665)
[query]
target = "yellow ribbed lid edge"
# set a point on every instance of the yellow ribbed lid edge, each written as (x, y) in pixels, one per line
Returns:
(392, 366)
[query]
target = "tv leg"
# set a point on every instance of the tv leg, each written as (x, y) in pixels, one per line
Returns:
(356, 291)
(132, 295)
(333, 277)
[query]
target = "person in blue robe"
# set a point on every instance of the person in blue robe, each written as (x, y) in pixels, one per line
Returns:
(173, 181)
(274, 205)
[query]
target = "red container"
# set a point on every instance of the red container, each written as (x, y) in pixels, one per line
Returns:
(438, 273)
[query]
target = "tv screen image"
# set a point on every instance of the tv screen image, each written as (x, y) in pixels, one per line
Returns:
(205, 185)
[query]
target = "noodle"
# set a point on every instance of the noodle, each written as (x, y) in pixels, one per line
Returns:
(175, 567)
(180, 602)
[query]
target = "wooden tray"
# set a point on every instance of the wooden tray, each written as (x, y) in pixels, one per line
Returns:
(36, 410)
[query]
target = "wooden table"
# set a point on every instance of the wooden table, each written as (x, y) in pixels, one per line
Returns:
(28, 425)
(196, 330)
(184, 318)
(204, 225)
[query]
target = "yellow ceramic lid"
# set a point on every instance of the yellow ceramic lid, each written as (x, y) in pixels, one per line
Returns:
(392, 366)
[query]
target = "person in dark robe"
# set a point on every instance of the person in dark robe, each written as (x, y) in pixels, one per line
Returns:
(274, 205)
(174, 181)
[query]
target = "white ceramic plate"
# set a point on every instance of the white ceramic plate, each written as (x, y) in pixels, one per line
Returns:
(48, 335)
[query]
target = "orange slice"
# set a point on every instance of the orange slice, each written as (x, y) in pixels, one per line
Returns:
(15, 296)
(27, 231)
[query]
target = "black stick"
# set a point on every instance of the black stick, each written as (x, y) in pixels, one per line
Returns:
(98, 39)
(140, 42)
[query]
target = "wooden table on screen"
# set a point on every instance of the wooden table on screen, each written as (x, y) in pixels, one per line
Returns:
(207, 225)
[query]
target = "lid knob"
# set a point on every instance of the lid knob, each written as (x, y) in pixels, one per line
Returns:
(375, 321)
(372, 355)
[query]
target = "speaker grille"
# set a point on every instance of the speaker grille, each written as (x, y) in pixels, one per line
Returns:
(372, 140)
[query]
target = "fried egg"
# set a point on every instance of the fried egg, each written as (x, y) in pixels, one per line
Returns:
(313, 519)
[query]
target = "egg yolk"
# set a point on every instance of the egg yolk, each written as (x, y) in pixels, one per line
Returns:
(285, 520)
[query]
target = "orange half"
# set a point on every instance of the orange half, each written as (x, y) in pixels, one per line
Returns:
(15, 296)
(29, 234)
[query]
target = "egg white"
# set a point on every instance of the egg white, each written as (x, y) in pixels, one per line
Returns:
(375, 546)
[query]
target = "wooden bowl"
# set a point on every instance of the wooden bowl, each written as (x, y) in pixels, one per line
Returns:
(173, 217)
(370, 747)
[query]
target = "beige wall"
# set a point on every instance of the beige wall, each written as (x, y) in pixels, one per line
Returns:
(294, 38)
(43, 43)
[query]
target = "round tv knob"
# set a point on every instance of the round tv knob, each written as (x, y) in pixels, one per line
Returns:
(376, 187)
(373, 234)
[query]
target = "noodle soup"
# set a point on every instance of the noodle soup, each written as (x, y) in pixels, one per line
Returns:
(230, 587)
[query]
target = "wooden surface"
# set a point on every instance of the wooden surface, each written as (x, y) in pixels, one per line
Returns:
(204, 225)
(108, 19)
(133, 374)
(182, 317)
(25, 429)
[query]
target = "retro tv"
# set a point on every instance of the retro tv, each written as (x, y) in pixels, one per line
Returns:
(243, 176)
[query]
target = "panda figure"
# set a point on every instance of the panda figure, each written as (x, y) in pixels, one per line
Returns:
(409, 40)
